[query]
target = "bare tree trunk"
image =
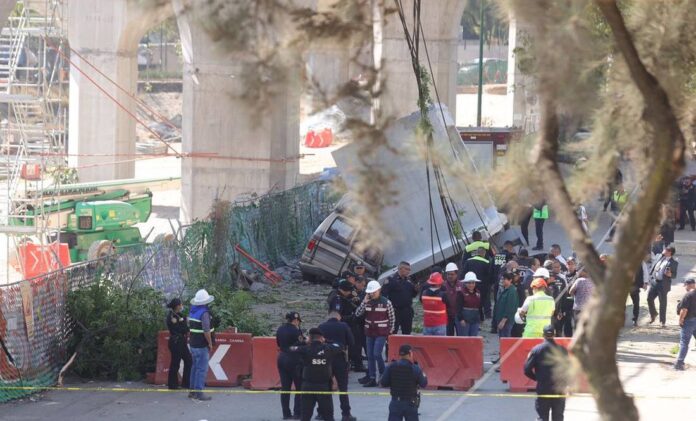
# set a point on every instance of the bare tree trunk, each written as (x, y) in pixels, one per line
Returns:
(597, 334)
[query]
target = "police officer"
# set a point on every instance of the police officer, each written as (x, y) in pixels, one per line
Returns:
(347, 276)
(400, 290)
(477, 242)
(342, 300)
(359, 269)
(290, 364)
(345, 302)
(403, 378)
(317, 360)
(337, 332)
(178, 329)
(541, 367)
(357, 325)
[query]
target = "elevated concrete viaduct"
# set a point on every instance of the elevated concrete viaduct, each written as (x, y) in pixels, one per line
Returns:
(261, 146)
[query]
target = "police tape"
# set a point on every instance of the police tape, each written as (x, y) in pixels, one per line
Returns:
(274, 392)
(435, 394)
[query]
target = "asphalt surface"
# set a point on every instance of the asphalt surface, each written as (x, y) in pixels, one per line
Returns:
(645, 358)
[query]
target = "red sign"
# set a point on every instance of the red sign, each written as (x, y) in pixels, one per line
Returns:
(35, 259)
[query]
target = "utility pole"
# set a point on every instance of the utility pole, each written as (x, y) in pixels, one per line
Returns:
(480, 64)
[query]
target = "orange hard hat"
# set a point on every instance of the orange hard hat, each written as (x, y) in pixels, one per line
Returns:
(539, 283)
(435, 278)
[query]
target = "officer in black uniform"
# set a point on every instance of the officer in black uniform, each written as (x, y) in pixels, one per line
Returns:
(317, 359)
(403, 378)
(401, 290)
(357, 326)
(337, 332)
(178, 329)
(541, 367)
(290, 364)
(345, 301)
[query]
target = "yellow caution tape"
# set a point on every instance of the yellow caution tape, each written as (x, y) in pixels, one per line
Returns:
(438, 394)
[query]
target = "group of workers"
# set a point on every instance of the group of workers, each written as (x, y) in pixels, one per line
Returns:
(522, 296)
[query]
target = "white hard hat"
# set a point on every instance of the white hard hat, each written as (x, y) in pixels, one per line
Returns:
(451, 267)
(471, 277)
(372, 286)
(518, 317)
(202, 297)
(541, 273)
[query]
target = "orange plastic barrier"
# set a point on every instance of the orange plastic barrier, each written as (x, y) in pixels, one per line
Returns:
(320, 139)
(264, 369)
(230, 359)
(35, 259)
(449, 362)
(512, 365)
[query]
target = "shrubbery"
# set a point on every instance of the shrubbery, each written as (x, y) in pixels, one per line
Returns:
(115, 331)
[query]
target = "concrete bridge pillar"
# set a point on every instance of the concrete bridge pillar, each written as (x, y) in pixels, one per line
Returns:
(523, 104)
(106, 34)
(256, 148)
(441, 25)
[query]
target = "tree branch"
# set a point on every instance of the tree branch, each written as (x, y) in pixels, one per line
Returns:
(557, 193)
(596, 338)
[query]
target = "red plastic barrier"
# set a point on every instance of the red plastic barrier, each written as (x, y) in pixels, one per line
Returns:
(320, 139)
(35, 259)
(230, 359)
(264, 370)
(512, 365)
(449, 362)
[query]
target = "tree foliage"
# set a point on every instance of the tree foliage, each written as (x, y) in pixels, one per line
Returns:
(641, 112)
(116, 332)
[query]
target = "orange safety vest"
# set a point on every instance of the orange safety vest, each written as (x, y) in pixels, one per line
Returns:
(434, 310)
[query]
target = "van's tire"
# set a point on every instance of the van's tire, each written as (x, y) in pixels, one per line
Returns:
(99, 249)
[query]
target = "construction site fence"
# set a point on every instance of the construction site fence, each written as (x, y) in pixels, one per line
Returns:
(34, 321)
(36, 327)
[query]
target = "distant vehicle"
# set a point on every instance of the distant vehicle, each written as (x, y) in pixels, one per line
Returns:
(339, 239)
(494, 72)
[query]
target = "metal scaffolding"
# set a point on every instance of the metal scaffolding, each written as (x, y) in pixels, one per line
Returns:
(33, 108)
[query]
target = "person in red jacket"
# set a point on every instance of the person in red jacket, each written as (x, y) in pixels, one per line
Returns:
(469, 307)
(379, 323)
(452, 290)
(434, 302)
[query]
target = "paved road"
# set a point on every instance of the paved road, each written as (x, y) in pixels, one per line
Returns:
(644, 358)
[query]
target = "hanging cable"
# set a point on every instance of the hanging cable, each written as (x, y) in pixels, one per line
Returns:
(413, 49)
(121, 106)
(451, 143)
(139, 101)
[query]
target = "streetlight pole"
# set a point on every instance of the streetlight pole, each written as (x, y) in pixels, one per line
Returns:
(480, 64)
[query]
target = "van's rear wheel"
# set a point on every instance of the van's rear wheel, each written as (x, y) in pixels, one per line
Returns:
(100, 249)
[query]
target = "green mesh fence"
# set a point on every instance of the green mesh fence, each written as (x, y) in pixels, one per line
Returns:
(274, 228)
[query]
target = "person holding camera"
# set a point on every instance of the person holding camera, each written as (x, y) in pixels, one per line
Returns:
(661, 275)
(403, 378)
(379, 323)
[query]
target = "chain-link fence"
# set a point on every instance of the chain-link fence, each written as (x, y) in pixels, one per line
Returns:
(275, 228)
(34, 323)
